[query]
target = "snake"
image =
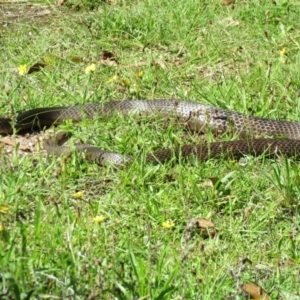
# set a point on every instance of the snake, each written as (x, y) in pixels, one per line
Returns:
(195, 116)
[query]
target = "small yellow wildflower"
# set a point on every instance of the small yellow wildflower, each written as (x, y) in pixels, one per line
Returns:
(4, 209)
(112, 79)
(283, 51)
(23, 69)
(91, 68)
(126, 81)
(168, 224)
(99, 219)
(78, 195)
(49, 59)
(139, 74)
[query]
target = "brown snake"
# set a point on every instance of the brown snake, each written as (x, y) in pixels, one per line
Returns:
(196, 116)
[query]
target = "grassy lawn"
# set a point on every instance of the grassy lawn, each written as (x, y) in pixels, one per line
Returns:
(72, 230)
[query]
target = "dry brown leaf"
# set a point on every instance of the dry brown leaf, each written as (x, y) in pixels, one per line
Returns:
(112, 2)
(35, 11)
(206, 184)
(108, 63)
(178, 62)
(13, 1)
(12, 143)
(228, 22)
(204, 223)
(247, 211)
(77, 59)
(227, 2)
(286, 263)
(255, 291)
(210, 183)
(60, 2)
(160, 63)
(25, 97)
(205, 227)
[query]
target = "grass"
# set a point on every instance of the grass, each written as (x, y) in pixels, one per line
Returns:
(227, 56)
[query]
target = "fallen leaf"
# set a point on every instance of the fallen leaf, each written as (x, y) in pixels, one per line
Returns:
(12, 143)
(228, 22)
(210, 183)
(255, 291)
(25, 96)
(77, 59)
(204, 223)
(161, 63)
(247, 211)
(178, 62)
(60, 2)
(108, 63)
(206, 228)
(112, 2)
(227, 2)
(201, 226)
(286, 263)
(207, 183)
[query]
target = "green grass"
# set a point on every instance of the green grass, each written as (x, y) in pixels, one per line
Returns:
(50, 247)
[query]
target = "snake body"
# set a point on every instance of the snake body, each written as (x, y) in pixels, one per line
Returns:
(197, 117)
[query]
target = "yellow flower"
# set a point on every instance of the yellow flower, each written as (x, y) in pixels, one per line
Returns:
(168, 224)
(283, 51)
(78, 195)
(99, 219)
(126, 81)
(139, 74)
(112, 79)
(23, 69)
(91, 68)
(49, 59)
(4, 209)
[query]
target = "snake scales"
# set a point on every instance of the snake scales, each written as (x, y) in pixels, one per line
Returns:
(198, 117)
